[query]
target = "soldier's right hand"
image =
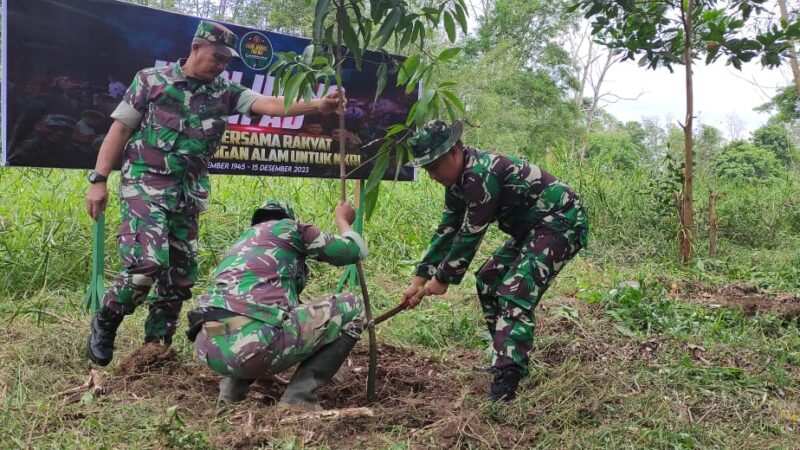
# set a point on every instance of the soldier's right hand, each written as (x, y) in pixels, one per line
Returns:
(96, 199)
(415, 292)
(344, 212)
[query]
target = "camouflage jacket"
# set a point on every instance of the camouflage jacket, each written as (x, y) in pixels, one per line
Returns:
(517, 194)
(264, 271)
(176, 131)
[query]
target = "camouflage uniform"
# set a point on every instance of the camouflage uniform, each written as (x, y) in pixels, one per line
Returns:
(177, 123)
(261, 277)
(547, 225)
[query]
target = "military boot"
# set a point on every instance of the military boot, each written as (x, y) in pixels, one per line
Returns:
(315, 372)
(100, 345)
(504, 387)
(233, 390)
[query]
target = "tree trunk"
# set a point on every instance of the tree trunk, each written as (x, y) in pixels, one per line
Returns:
(792, 49)
(687, 219)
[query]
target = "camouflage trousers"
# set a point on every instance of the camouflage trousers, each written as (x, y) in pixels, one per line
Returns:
(257, 348)
(510, 285)
(158, 249)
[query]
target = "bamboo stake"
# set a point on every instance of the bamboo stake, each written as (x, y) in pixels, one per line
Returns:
(712, 224)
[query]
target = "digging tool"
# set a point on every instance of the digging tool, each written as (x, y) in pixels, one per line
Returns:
(400, 307)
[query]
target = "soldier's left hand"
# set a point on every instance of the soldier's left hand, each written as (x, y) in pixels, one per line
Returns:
(330, 103)
(436, 287)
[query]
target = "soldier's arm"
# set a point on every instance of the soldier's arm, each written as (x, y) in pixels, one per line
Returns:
(273, 106)
(127, 117)
(452, 217)
(107, 158)
(482, 195)
(348, 247)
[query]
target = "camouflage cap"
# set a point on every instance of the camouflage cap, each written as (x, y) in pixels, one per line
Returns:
(433, 140)
(58, 120)
(272, 210)
(223, 39)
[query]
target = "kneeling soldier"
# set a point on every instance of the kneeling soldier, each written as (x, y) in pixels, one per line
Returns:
(250, 324)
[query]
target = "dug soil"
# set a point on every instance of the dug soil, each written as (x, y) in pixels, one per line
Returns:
(414, 394)
(750, 299)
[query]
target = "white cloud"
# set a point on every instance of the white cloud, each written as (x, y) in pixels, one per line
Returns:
(719, 91)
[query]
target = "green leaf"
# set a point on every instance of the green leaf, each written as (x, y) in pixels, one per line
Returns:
(372, 187)
(461, 16)
(450, 27)
(320, 12)
(351, 40)
(387, 28)
(407, 33)
(381, 74)
(308, 54)
(309, 93)
(395, 129)
(453, 100)
(450, 113)
(449, 53)
(293, 89)
(407, 69)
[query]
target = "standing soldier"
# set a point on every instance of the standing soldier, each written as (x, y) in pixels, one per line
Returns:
(166, 130)
(251, 324)
(543, 216)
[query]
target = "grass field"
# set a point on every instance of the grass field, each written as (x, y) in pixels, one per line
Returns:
(706, 356)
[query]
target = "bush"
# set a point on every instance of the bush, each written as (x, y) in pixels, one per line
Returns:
(744, 161)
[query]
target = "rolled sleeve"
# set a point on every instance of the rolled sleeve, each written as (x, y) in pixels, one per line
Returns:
(128, 115)
(246, 99)
(363, 251)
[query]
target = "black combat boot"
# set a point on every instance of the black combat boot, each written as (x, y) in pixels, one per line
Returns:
(233, 390)
(317, 371)
(504, 387)
(100, 345)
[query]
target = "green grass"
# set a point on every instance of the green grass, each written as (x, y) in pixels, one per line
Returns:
(715, 379)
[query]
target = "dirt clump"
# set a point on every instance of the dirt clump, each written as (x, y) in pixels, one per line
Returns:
(147, 358)
(751, 301)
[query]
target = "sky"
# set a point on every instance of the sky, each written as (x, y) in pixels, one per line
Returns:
(719, 92)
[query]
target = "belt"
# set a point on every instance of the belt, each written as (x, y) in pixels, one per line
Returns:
(214, 328)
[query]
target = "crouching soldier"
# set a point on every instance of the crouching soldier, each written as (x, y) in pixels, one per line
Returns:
(544, 218)
(250, 324)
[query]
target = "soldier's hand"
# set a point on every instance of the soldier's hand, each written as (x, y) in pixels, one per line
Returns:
(96, 199)
(344, 212)
(330, 103)
(415, 292)
(436, 287)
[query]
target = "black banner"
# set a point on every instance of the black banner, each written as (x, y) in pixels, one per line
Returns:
(66, 64)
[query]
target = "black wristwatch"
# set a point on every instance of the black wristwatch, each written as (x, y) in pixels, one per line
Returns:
(95, 177)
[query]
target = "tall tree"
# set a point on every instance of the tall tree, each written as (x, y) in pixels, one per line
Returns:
(792, 48)
(670, 32)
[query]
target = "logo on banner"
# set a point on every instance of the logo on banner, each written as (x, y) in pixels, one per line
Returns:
(255, 50)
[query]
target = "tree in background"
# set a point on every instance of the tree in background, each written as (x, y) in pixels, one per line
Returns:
(670, 32)
(775, 139)
(709, 142)
(515, 79)
(744, 161)
(615, 151)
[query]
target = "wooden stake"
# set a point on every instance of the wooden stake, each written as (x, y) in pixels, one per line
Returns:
(712, 224)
